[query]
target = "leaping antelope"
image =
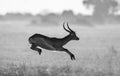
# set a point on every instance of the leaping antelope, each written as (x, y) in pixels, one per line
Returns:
(53, 43)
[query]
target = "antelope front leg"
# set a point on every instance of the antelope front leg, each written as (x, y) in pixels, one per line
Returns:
(71, 54)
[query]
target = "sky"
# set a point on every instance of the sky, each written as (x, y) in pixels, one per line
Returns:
(42, 6)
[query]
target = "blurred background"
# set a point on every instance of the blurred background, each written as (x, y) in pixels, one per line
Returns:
(96, 23)
(54, 12)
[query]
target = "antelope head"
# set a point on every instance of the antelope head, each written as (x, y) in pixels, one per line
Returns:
(72, 33)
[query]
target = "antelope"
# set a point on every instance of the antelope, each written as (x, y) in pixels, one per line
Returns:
(53, 43)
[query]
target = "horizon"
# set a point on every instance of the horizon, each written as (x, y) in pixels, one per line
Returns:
(46, 12)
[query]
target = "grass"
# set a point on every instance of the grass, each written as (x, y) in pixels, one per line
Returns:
(55, 71)
(111, 59)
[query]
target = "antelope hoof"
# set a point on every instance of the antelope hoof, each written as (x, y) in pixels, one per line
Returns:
(39, 52)
(72, 57)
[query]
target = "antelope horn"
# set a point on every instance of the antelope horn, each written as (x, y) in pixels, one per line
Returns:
(69, 27)
(65, 28)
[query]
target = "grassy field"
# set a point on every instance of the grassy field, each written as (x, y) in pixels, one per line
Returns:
(97, 51)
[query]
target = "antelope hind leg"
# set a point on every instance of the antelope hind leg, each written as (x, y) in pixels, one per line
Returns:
(34, 47)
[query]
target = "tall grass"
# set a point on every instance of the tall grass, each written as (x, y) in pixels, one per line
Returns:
(111, 60)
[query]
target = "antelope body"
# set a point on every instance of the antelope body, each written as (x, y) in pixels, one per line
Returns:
(52, 43)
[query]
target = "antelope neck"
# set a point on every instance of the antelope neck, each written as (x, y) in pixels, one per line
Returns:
(66, 39)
